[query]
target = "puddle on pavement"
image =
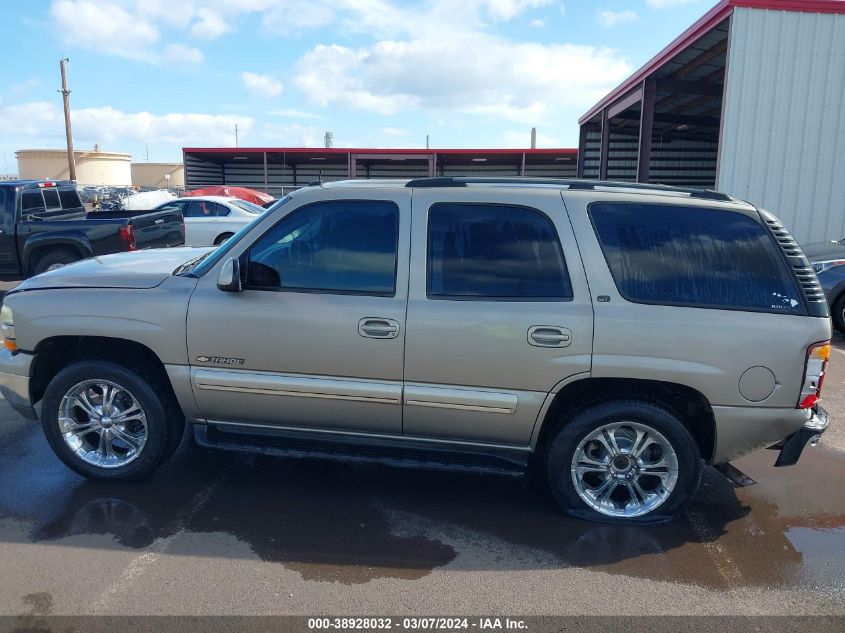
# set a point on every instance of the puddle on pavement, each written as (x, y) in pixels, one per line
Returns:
(327, 522)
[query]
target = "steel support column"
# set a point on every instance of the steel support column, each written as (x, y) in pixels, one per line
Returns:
(582, 149)
(605, 145)
(646, 128)
(266, 183)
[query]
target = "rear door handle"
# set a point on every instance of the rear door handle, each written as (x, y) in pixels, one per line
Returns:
(374, 327)
(549, 336)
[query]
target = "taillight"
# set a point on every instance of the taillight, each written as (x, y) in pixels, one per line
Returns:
(127, 234)
(814, 370)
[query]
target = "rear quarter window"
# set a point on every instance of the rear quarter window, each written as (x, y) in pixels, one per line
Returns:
(70, 199)
(693, 256)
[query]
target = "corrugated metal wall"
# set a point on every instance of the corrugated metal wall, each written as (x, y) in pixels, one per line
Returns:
(783, 133)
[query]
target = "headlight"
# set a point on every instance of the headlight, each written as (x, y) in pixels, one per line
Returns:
(820, 267)
(7, 323)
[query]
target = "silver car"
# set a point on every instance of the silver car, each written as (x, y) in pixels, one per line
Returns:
(613, 337)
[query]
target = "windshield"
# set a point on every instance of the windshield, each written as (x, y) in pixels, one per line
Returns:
(202, 264)
(248, 206)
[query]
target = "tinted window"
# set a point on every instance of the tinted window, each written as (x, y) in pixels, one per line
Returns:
(32, 201)
(496, 251)
(330, 246)
(69, 198)
(200, 209)
(51, 199)
(219, 210)
(680, 255)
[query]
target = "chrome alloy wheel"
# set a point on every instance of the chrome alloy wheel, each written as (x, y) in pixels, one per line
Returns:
(103, 423)
(624, 469)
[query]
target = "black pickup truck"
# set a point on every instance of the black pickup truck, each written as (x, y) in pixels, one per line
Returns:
(43, 224)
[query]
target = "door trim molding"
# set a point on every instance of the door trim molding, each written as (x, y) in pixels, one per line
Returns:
(298, 386)
(461, 399)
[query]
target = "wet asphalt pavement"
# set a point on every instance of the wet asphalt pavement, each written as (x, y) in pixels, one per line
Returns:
(215, 533)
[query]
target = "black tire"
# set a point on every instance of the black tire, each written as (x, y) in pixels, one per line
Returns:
(163, 433)
(222, 238)
(563, 445)
(837, 314)
(58, 257)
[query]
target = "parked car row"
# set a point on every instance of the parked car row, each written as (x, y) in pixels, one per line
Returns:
(44, 225)
(211, 220)
(608, 336)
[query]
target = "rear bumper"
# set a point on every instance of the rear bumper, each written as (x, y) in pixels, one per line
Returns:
(811, 432)
(14, 381)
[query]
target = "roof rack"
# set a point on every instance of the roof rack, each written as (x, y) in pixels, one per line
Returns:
(572, 184)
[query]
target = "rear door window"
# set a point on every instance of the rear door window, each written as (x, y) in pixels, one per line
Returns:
(218, 210)
(693, 256)
(494, 251)
(32, 202)
(198, 209)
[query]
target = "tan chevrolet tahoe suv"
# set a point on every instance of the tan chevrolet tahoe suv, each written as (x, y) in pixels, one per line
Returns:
(613, 337)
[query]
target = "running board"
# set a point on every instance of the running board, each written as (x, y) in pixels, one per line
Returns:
(398, 453)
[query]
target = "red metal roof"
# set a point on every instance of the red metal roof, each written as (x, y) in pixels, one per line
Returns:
(708, 21)
(353, 150)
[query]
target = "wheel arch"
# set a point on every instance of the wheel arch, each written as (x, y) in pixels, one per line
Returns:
(55, 353)
(690, 406)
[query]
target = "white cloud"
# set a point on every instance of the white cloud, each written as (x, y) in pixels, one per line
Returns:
(505, 10)
(293, 113)
(487, 75)
(667, 4)
(41, 123)
(612, 18)
(182, 54)
(123, 29)
(292, 135)
(209, 24)
(261, 85)
(537, 23)
(287, 17)
(394, 131)
(104, 26)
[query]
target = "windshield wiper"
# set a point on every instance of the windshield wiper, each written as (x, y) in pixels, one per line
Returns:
(189, 265)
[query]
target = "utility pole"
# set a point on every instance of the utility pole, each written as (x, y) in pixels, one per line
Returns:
(71, 163)
(236, 135)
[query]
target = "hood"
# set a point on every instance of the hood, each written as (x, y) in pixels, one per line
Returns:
(136, 270)
(824, 251)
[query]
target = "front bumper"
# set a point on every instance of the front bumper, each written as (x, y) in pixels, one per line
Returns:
(14, 381)
(811, 432)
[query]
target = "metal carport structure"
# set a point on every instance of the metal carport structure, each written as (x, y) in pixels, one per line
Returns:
(749, 100)
(278, 170)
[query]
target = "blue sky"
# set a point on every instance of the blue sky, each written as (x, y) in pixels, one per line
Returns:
(163, 74)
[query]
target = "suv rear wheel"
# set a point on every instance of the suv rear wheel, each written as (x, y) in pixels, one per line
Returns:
(623, 461)
(105, 422)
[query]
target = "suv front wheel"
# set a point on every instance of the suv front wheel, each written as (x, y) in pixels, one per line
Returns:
(105, 422)
(625, 462)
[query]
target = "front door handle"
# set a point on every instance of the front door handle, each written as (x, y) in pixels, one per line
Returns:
(549, 336)
(374, 327)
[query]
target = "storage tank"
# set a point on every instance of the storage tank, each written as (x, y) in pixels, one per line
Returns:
(158, 175)
(93, 167)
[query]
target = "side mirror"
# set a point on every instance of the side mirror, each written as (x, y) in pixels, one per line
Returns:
(229, 278)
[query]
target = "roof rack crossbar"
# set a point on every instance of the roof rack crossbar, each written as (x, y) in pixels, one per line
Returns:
(572, 184)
